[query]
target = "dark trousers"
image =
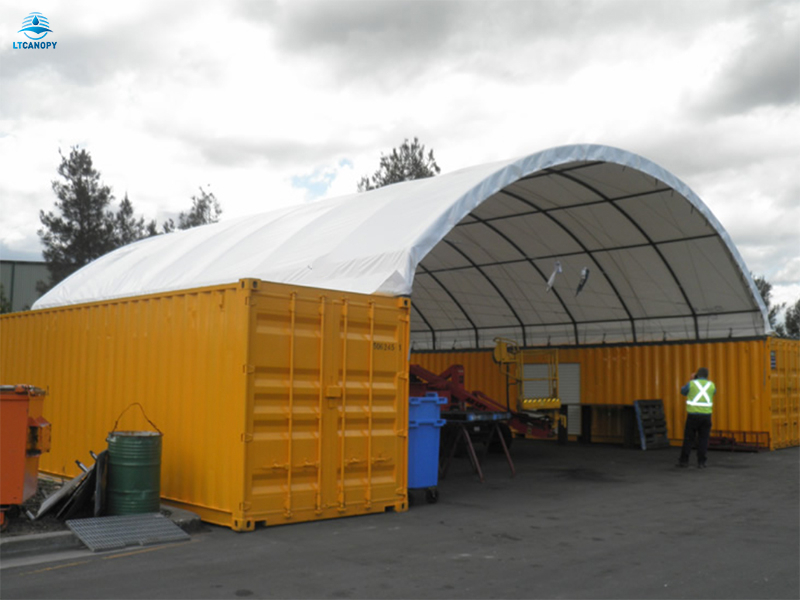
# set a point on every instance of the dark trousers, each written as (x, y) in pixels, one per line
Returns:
(697, 427)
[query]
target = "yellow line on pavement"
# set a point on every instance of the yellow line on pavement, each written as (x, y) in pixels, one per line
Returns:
(74, 564)
(122, 555)
(143, 550)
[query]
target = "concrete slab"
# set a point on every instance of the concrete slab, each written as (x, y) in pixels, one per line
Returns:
(188, 521)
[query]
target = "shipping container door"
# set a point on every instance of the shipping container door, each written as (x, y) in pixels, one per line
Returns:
(367, 466)
(324, 438)
(291, 418)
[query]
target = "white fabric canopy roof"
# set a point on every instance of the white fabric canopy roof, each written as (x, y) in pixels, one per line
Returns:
(475, 249)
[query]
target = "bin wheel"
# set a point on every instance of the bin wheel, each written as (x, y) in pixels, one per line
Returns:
(432, 495)
(7, 513)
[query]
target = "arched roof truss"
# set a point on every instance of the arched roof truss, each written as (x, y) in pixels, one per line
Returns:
(476, 250)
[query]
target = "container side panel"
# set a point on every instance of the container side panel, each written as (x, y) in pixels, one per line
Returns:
(622, 374)
(180, 356)
(286, 419)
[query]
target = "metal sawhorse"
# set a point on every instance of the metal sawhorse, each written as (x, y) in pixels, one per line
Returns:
(461, 421)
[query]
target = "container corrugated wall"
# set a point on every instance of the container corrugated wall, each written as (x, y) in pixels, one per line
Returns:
(784, 362)
(176, 354)
(262, 392)
(752, 396)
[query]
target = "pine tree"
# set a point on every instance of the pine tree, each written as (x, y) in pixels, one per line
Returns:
(127, 228)
(403, 164)
(765, 289)
(792, 320)
(205, 209)
(83, 228)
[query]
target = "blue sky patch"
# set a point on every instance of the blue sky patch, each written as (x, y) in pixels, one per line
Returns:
(320, 179)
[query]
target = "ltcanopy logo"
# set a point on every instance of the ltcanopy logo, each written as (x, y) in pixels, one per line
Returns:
(35, 27)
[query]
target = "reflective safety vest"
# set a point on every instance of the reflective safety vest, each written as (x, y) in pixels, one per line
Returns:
(700, 399)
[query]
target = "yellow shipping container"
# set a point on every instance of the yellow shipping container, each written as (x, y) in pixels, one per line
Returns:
(785, 390)
(758, 382)
(278, 404)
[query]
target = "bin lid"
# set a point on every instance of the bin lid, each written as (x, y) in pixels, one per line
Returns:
(21, 389)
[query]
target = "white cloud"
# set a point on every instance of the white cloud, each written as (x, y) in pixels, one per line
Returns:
(252, 98)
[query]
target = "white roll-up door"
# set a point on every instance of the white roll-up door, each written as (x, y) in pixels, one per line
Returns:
(569, 383)
(539, 388)
(569, 390)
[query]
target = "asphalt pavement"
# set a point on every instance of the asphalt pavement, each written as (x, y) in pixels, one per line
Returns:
(576, 522)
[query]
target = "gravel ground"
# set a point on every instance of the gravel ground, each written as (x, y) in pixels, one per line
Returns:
(20, 524)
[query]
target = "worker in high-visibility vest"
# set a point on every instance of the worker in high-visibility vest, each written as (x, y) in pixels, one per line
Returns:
(699, 394)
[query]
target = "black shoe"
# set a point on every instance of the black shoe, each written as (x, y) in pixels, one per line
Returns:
(701, 466)
(682, 465)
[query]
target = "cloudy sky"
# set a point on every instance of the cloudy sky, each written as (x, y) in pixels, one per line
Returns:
(269, 104)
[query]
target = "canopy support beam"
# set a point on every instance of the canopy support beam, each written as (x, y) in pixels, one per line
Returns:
(531, 262)
(580, 244)
(424, 320)
(455, 301)
(641, 230)
(493, 284)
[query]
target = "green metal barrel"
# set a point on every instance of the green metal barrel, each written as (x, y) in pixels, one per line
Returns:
(134, 472)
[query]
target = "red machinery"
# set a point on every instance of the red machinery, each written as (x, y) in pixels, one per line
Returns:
(450, 384)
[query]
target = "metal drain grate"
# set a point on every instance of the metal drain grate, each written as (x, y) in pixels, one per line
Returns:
(113, 533)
